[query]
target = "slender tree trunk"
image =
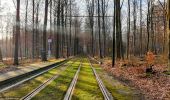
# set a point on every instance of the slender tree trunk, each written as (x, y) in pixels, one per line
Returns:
(51, 26)
(114, 33)
(75, 38)
(44, 55)
(141, 40)
(152, 27)
(148, 26)
(104, 31)
(17, 34)
(118, 31)
(26, 32)
(100, 47)
(70, 51)
(58, 30)
(168, 26)
(66, 31)
(62, 34)
(33, 30)
(128, 32)
(37, 32)
(90, 9)
(134, 25)
(1, 58)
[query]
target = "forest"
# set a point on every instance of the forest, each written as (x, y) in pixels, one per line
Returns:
(84, 49)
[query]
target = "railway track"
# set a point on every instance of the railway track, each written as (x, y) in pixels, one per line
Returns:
(70, 90)
(99, 62)
(42, 86)
(30, 76)
(107, 95)
(105, 92)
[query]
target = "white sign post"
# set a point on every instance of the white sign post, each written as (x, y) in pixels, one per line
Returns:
(49, 47)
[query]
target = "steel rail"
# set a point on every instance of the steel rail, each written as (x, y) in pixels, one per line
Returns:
(71, 88)
(107, 95)
(42, 86)
(31, 77)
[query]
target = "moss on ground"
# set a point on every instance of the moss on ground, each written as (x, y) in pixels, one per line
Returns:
(87, 87)
(118, 90)
(57, 89)
(25, 88)
(2, 65)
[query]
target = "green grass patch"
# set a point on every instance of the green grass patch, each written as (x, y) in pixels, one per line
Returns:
(25, 88)
(57, 89)
(118, 90)
(87, 87)
(2, 65)
(167, 72)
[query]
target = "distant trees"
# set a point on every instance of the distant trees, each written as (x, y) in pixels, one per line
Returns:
(90, 12)
(117, 33)
(140, 34)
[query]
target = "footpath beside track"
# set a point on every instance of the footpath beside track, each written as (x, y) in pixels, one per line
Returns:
(40, 87)
(17, 80)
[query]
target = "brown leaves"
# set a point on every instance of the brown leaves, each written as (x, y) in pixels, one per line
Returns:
(155, 87)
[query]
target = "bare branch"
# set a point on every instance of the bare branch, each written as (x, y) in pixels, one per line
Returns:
(14, 4)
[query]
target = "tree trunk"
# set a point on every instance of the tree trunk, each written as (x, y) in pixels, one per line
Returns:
(141, 40)
(33, 30)
(114, 33)
(148, 26)
(26, 32)
(70, 45)
(104, 31)
(100, 47)
(17, 34)
(44, 55)
(37, 32)
(58, 30)
(128, 32)
(134, 26)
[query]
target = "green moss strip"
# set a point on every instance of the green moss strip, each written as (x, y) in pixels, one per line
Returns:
(87, 87)
(25, 88)
(57, 89)
(117, 89)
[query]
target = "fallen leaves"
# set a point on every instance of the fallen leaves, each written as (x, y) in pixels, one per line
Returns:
(154, 87)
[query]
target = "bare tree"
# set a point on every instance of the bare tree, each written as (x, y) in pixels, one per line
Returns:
(128, 30)
(58, 28)
(17, 33)
(134, 24)
(104, 5)
(99, 30)
(37, 30)
(26, 31)
(44, 51)
(148, 25)
(90, 9)
(141, 40)
(114, 34)
(33, 30)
